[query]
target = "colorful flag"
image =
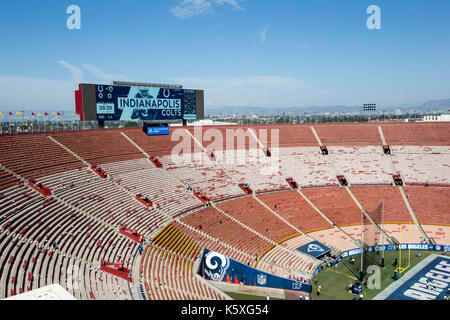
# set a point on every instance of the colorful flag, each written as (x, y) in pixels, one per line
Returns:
(10, 113)
(53, 113)
(58, 113)
(32, 114)
(39, 114)
(45, 113)
(1, 114)
(18, 113)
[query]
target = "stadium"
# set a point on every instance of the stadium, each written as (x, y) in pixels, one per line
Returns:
(224, 157)
(186, 212)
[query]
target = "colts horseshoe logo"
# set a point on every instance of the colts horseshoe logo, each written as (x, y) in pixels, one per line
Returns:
(166, 93)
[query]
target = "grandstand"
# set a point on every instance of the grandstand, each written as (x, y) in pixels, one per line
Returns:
(91, 211)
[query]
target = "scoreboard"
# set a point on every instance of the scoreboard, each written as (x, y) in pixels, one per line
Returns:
(121, 102)
(369, 107)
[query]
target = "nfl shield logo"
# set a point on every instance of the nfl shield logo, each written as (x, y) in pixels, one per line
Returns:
(262, 279)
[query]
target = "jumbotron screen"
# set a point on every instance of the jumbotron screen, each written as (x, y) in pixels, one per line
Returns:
(144, 103)
(125, 103)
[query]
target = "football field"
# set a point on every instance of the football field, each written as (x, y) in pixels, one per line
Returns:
(243, 296)
(334, 281)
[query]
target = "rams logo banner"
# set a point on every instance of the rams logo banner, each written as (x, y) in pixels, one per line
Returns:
(217, 267)
(314, 248)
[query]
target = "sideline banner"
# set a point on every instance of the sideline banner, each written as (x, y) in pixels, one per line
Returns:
(217, 267)
(403, 246)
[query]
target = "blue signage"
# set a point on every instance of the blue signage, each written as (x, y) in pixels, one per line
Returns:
(217, 267)
(316, 271)
(403, 246)
(144, 103)
(314, 248)
(155, 131)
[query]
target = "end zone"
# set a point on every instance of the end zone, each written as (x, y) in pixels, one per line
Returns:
(428, 280)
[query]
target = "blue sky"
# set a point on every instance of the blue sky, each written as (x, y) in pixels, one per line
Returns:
(241, 52)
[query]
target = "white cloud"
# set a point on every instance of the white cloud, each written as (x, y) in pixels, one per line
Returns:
(25, 93)
(94, 73)
(263, 34)
(250, 90)
(252, 81)
(233, 3)
(101, 75)
(190, 8)
(77, 73)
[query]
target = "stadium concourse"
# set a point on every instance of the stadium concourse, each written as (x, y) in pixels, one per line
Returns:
(75, 206)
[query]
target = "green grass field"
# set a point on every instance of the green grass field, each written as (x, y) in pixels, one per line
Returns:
(243, 296)
(334, 281)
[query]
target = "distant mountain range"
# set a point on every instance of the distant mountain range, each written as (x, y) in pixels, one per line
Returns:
(429, 106)
(437, 104)
(434, 105)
